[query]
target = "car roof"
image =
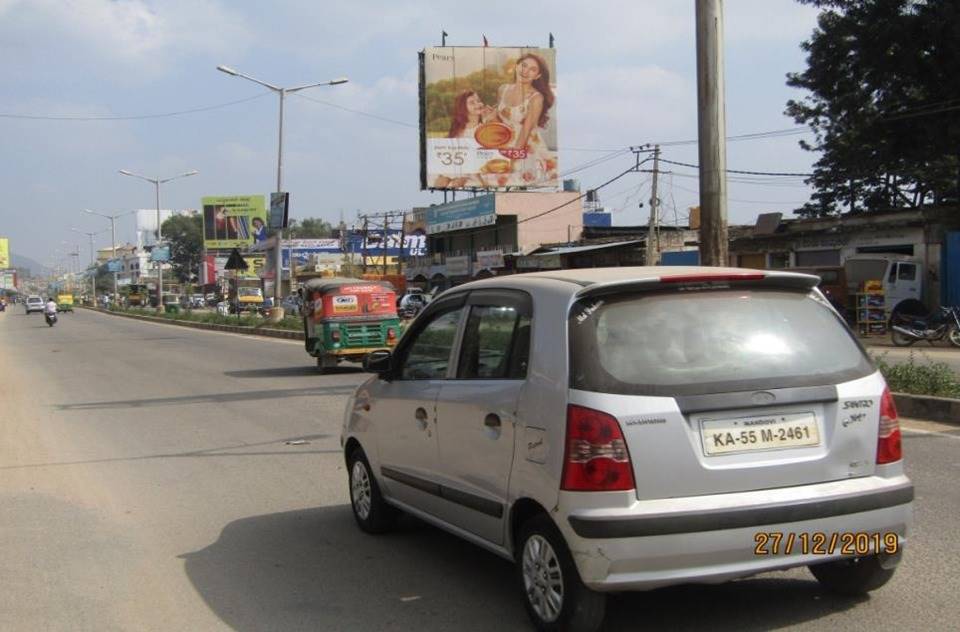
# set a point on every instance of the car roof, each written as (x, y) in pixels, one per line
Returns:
(579, 279)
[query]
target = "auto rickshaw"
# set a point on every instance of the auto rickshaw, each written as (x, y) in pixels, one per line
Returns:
(345, 319)
(65, 302)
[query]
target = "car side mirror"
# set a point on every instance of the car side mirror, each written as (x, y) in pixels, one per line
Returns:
(379, 362)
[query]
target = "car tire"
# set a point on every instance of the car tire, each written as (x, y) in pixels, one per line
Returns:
(553, 593)
(372, 513)
(852, 577)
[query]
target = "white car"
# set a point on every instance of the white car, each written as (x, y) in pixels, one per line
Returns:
(33, 304)
(622, 429)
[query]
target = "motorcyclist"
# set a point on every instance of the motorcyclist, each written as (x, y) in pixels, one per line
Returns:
(50, 309)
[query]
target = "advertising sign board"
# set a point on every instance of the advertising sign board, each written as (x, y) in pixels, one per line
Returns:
(160, 253)
(279, 209)
(4, 252)
(458, 266)
(462, 214)
(234, 221)
(490, 259)
(489, 117)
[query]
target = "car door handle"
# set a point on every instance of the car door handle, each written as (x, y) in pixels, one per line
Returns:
(492, 421)
(421, 416)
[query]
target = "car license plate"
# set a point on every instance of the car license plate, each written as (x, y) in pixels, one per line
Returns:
(766, 432)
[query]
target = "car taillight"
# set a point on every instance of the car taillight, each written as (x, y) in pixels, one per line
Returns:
(889, 448)
(391, 333)
(596, 458)
(335, 335)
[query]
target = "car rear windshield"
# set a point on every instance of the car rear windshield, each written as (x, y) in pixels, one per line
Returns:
(689, 343)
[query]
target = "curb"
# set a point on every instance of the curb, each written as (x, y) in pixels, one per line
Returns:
(234, 329)
(942, 409)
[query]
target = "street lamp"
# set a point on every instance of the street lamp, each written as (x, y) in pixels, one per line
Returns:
(277, 312)
(93, 282)
(113, 239)
(156, 183)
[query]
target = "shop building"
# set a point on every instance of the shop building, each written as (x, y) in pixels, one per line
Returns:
(477, 236)
(921, 234)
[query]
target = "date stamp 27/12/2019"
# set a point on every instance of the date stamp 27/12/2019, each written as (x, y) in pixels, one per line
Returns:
(821, 543)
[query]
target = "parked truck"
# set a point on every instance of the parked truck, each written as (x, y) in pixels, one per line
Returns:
(902, 279)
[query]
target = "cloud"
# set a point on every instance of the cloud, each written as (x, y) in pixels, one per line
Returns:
(122, 40)
(625, 105)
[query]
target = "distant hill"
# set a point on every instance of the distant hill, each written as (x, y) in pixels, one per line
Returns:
(36, 269)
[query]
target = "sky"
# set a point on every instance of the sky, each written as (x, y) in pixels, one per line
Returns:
(626, 76)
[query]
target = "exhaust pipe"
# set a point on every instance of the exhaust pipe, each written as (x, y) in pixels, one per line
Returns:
(907, 332)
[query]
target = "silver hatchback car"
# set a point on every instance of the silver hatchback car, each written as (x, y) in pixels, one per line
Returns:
(630, 428)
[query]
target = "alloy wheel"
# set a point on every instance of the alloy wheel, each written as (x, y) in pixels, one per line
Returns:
(360, 488)
(542, 578)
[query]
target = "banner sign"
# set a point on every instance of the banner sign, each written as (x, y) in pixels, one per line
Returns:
(462, 214)
(490, 259)
(458, 266)
(160, 253)
(414, 245)
(279, 210)
(233, 222)
(4, 252)
(490, 118)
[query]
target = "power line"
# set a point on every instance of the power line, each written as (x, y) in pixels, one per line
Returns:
(749, 173)
(133, 117)
(353, 111)
(791, 131)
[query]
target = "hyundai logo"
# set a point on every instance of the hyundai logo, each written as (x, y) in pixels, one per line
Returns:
(763, 397)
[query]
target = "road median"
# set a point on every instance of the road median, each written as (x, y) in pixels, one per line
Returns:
(266, 332)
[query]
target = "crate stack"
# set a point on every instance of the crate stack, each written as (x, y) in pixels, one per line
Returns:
(872, 313)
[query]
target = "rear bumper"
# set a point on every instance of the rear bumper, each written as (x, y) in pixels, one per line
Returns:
(709, 539)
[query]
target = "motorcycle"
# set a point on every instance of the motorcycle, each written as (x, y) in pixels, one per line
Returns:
(941, 324)
(50, 318)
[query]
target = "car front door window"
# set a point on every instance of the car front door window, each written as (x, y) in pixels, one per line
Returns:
(428, 356)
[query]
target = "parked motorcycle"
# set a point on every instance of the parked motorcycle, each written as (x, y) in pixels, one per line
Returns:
(51, 319)
(944, 323)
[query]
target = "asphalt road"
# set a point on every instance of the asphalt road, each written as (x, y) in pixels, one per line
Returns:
(161, 478)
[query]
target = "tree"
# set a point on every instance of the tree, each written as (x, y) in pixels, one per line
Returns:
(884, 104)
(309, 228)
(184, 233)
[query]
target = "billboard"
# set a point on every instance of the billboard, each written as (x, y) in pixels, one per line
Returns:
(462, 214)
(4, 252)
(236, 221)
(488, 118)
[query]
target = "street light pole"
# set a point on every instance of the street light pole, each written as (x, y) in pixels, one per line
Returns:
(113, 240)
(93, 282)
(156, 183)
(277, 312)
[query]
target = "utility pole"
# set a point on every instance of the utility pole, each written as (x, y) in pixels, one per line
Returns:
(386, 230)
(711, 120)
(363, 247)
(653, 229)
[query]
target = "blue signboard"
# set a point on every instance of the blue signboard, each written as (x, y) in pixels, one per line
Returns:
(160, 253)
(462, 214)
(597, 219)
(114, 265)
(680, 258)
